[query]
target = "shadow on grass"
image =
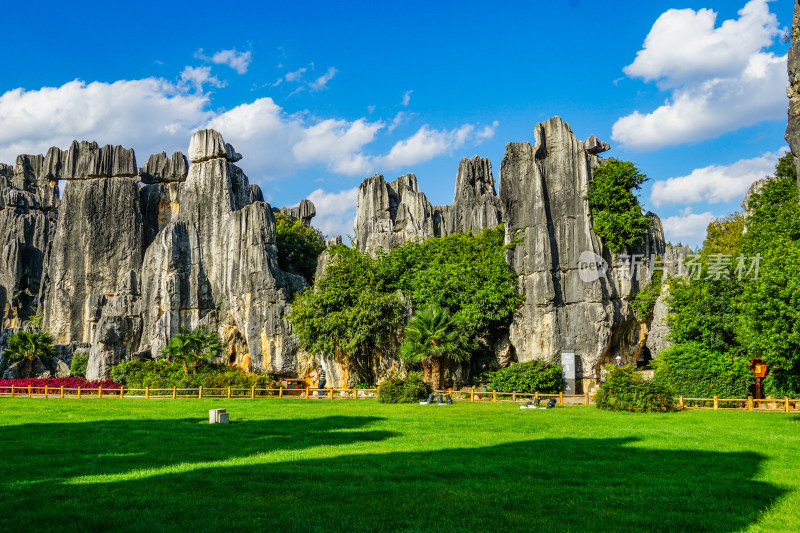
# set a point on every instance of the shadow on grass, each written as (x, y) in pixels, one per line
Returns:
(541, 485)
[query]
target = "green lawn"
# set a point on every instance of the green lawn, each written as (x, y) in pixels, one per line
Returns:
(296, 465)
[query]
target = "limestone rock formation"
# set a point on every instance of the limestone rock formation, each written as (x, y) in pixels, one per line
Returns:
(303, 212)
(160, 169)
(542, 189)
(28, 201)
(595, 146)
(476, 205)
(793, 90)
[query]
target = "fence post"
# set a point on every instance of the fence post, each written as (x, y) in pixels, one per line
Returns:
(331, 392)
(680, 403)
(472, 394)
(716, 403)
(749, 403)
(29, 391)
(45, 394)
(585, 397)
(378, 391)
(79, 393)
(99, 391)
(12, 391)
(280, 392)
(494, 396)
(122, 391)
(200, 392)
(174, 392)
(560, 398)
(62, 391)
(355, 393)
(306, 393)
(147, 393)
(786, 403)
(514, 396)
(253, 392)
(229, 391)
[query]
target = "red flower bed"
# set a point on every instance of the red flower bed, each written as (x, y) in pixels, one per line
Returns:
(38, 384)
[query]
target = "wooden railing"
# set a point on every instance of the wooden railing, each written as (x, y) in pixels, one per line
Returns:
(785, 404)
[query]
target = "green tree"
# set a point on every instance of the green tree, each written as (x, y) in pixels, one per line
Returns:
(28, 346)
(434, 337)
(350, 314)
(299, 246)
(616, 212)
(193, 346)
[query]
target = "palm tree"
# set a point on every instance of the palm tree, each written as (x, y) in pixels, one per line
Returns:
(29, 345)
(194, 345)
(432, 337)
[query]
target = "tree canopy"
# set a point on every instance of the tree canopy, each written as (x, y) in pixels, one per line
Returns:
(299, 246)
(616, 212)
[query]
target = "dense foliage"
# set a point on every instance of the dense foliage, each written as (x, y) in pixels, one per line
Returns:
(299, 246)
(535, 376)
(616, 213)
(357, 307)
(432, 336)
(404, 390)
(193, 346)
(166, 374)
(626, 390)
(720, 317)
(77, 367)
(644, 302)
(38, 384)
(691, 369)
(29, 345)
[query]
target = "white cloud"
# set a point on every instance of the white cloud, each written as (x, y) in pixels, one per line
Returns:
(295, 75)
(488, 131)
(154, 114)
(336, 211)
(715, 183)
(238, 61)
(322, 82)
(198, 76)
(426, 144)
(689, 228)
(150, 115)
(407, 98)
(720, 79)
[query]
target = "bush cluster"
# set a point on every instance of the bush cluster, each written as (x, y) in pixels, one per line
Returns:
(692, 369)
(535, 376)
(77, 368)
(404, 390)
(626, 390)
(165, 374)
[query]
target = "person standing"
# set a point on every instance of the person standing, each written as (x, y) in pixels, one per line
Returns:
(321, 380)
(619, 361)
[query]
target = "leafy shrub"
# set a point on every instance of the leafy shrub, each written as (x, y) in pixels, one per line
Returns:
(77, 368)
(165, 374)
(691, 369)
(616, 213)
(404, 390)
(644, 302)
(299, 246)
(626, 390)
(535, 376)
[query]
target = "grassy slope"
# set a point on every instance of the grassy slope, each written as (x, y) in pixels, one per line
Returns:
(135, 465)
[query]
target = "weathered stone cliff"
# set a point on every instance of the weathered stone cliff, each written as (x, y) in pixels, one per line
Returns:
(793, 90)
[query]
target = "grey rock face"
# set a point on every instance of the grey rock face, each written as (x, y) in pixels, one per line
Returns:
(159, 169)
(542, 190)
(91, 275)
(476, 205)
(793, 90)
(304, 211)
(595, 146)
(255, 193)
(27, 225)
(215, 264)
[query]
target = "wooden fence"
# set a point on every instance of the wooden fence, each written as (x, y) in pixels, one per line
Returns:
(751, 404)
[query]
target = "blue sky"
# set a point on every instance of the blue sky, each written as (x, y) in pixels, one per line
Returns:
(318, 96)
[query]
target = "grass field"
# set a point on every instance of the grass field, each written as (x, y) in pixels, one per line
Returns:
(292, 465)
